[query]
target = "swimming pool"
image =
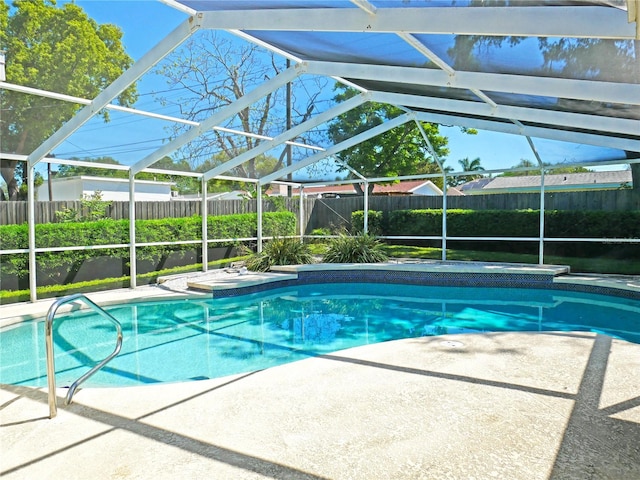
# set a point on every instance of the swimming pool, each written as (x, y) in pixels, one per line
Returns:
(193, 339)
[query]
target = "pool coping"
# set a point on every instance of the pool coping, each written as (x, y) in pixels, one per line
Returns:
(426, 272)
(232, 282)
(439, 272)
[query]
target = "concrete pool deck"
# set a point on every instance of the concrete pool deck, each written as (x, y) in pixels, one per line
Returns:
(560, 405)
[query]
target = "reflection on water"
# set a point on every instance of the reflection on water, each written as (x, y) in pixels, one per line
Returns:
(173, 341)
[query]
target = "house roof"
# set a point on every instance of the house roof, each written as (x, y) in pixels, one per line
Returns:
(477, 184)
(398, 188)
(454, 192)
(607, 179)
(404, 187)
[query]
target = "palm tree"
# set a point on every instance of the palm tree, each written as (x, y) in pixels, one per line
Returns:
(469, 166)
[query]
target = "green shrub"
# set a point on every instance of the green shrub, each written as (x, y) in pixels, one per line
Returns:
(51, 291)
(55, 266)
(321, 232)
(519, 223)
(515, 223)
(359, 248)
(375, 224)
(280, 251)
(92, 208)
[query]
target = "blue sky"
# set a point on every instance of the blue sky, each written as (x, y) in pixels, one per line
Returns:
(146, 22)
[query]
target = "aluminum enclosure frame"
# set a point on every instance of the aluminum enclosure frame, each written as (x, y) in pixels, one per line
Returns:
(363, 17)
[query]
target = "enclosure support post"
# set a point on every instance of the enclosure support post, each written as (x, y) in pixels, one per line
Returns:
(301, 213)
(133, 270)
(205, 233)
(437, 159)
(31, 196)
(541, 165)
(541, 246)
(444, 216)
(259, 210)
(366, 207)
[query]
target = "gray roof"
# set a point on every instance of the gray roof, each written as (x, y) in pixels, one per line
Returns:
(478, 184)
(601, 179)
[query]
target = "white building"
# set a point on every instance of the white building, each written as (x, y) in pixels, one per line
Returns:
(114, 189)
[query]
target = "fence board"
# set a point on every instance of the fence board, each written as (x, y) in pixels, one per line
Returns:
(322, 212)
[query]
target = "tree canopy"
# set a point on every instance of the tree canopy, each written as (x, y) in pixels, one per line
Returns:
(185, 185)
(400, 151)
(212, 71)
(78, 170)
(59, 49)
(532, 168)
(467, 165)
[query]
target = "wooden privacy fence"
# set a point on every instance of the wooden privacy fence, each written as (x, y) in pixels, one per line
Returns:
(45, 212)
(336, 212)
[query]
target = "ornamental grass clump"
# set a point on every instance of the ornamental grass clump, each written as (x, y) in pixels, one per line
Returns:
(280, 251)
(360, 248)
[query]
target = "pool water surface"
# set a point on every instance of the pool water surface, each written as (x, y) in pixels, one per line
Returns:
(176, 341)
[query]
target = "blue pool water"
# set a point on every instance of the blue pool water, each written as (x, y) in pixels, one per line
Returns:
(174, 341)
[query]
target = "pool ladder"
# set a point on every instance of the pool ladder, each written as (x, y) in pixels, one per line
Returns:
(51, 369)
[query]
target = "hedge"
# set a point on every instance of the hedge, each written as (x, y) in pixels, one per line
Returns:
(107, 232)
(512, 223)
(375, 225)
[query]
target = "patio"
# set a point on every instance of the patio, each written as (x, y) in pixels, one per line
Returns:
(512, 405)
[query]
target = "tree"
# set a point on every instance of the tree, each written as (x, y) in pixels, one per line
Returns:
(78, 170)
(535, 169)
(184, 185)
(532, 169)
(557, 170)
(56, 49)
(212, 71)
(469, 166)
(635, 172)
(263, 164)
(583, 58)
(400, 151)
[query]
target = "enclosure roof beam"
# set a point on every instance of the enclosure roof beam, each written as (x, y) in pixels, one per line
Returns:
(289, 134)
(179, 6)
(286, 54)
(266, 45)
(620, 143)
(366, 6)
(589, 90)
(139, 68)
(143, 113)
(620, 126)
(537, 155)
(538, 21)
(224, 113)
(372, 132)
(352, 170)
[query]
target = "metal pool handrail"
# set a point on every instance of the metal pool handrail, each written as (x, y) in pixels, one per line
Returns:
(51, 370)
